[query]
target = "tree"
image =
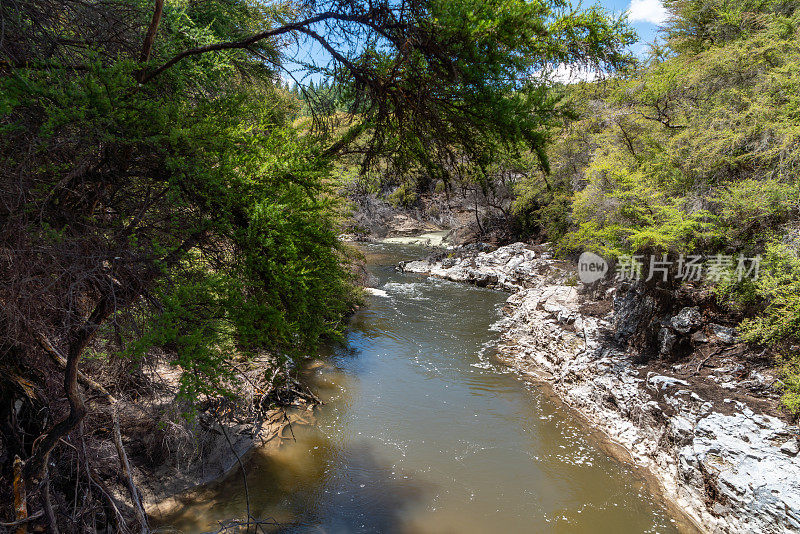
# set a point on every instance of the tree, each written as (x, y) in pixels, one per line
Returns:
(154, 193)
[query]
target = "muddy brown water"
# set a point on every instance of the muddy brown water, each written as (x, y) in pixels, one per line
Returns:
(422, 432)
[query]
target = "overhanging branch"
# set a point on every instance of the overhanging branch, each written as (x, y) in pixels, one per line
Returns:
(249, 41)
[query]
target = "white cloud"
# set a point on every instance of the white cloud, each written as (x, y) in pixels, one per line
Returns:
(570, 74)
(647, 11)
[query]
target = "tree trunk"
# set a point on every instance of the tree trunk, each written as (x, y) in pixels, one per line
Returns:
(147, 46)
(477, 213)
(79, 339)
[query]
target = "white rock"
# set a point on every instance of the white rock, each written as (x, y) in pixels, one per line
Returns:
(661, 382)
(724, 333)
(686, 320)
(791, 447)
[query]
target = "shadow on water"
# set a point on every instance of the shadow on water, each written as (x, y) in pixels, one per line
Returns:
(314, 486)
(374, 501)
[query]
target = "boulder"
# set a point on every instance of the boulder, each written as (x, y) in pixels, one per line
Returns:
(724, 334)
(666, 340)
(688, 319)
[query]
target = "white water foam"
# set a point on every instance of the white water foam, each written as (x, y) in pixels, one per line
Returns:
(375, 291)
(409, 290)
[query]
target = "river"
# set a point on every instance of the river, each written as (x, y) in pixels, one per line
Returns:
(422, 432)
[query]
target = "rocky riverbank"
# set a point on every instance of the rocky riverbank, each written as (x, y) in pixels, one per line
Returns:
(705, 424)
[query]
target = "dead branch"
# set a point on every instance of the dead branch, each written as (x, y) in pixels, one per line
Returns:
(703, 362)
(20, 496)
(235, 525)
(241, 466)
(82, 378)
(47, 503)
(98, 483)
(19, 522)
(141, 516)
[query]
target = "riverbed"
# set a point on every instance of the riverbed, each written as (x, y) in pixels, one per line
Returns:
(422, 431)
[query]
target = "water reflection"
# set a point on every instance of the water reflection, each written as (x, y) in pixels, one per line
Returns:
(356, 493)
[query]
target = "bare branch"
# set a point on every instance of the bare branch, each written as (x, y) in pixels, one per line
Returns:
(141, 516)
(249, 41)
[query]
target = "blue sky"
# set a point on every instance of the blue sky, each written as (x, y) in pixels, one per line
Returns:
(644, 15)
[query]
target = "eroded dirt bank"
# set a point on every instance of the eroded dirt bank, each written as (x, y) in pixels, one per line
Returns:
(706, 425)
(174, 457)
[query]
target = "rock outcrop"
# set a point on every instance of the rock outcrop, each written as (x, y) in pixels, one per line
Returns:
(728, 466)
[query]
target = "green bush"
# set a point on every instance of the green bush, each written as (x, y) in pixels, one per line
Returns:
(405, 196)
(694, 151)
(752, 210)
(779, 286)
(790, 378)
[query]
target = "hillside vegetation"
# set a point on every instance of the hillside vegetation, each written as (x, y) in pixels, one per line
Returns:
(696, 151)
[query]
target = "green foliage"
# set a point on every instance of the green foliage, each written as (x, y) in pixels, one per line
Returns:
(191, 199)
(694, 151)
(698, 24)
(404, 196)
(779, 286)
(483, 62)
(540, 211)
(791, 384)
(201, 201)
(751, 210)
(631, 211)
